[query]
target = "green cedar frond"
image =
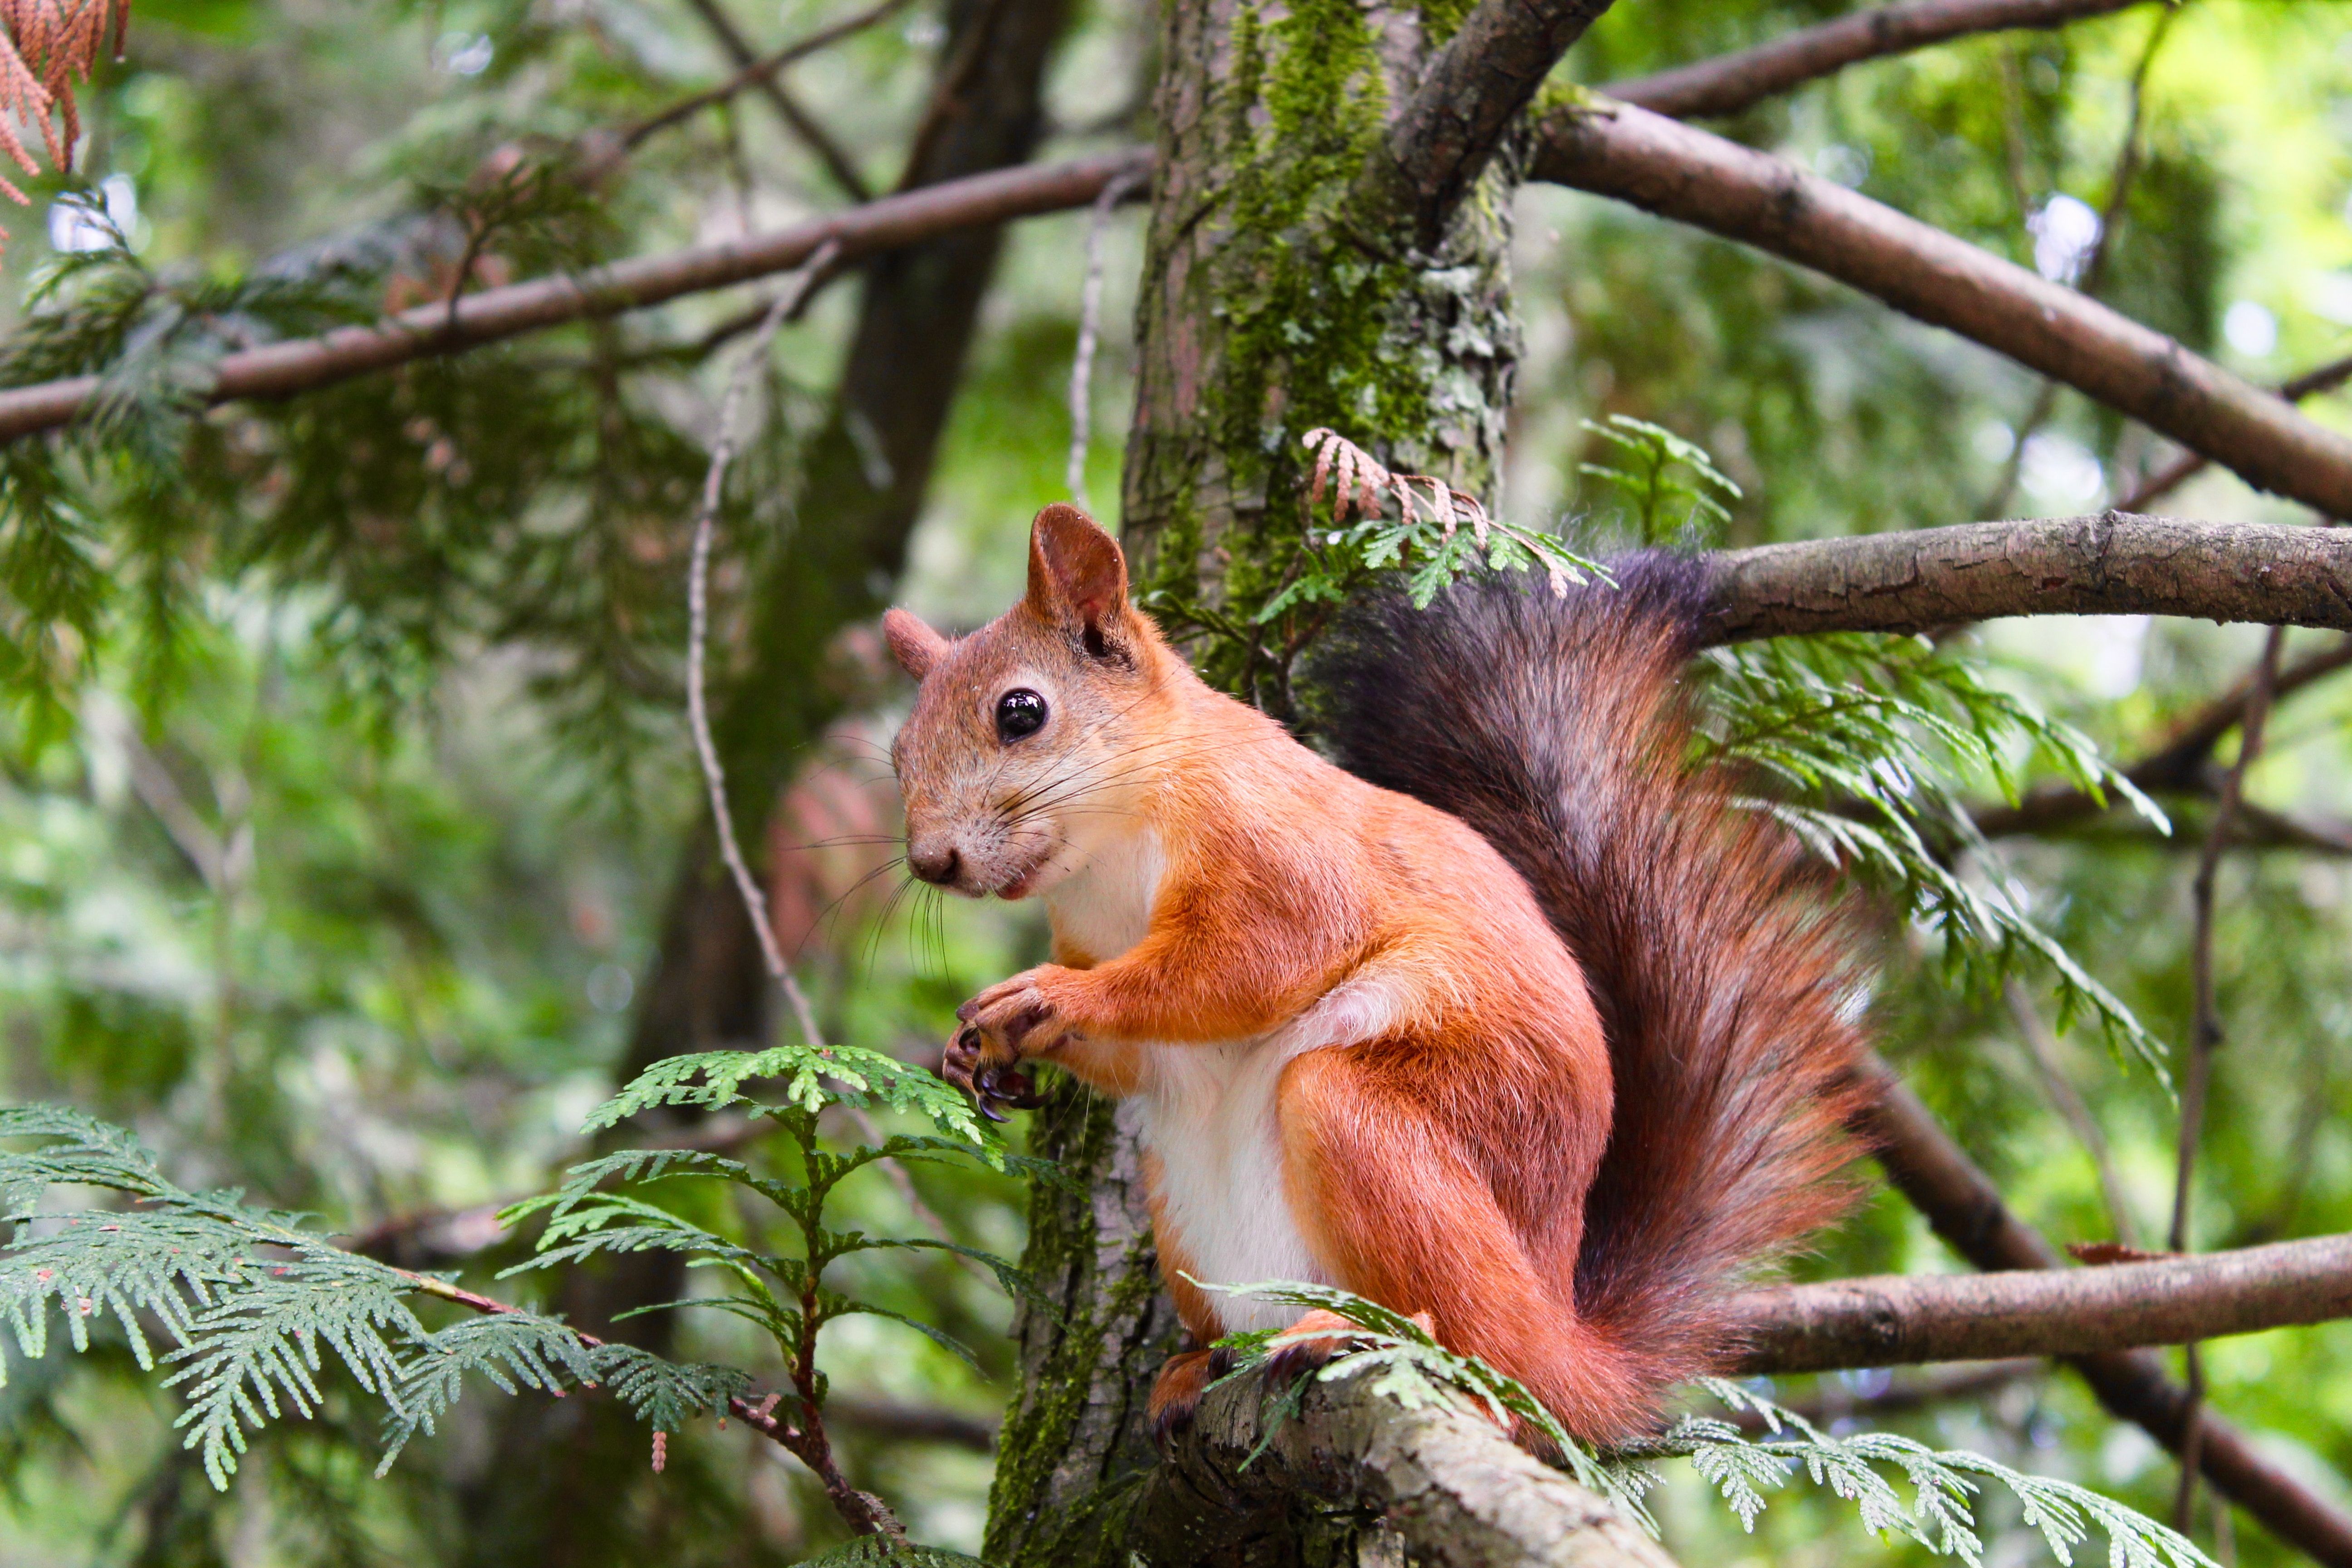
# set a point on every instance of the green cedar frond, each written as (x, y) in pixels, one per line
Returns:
(1864, 742)
(1409, 1365)
(814, 1077)
(1939, 1515)
(249, 1299)
(1656, 453)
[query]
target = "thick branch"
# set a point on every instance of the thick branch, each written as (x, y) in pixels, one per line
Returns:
(890, 222)
(1965, 1208)
(1898, 1319)
(1455, 1491)
(2189, 465)
(1685, 175)
(2112, 563)
(1731, 83)
(1472, 93)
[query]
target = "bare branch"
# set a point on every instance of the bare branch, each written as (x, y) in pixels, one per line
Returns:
(761, 70)
(1729, 83)
(1682, 173)
(1965, 1208)
(1475, 90)
(2111, 563)
(1903, 1319)
(2189, 465)
(303, 365)
(1455, 1492)
(797, 118)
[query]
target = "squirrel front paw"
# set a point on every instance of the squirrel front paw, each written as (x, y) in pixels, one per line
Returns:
(1005, 1023)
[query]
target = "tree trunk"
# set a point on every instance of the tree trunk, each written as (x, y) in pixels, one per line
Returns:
(1271, 304)
(1274, 299)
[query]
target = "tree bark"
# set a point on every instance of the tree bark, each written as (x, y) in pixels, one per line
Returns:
(1680, 172)
(1899, 1320)
(1276, 296)
(2107, 564)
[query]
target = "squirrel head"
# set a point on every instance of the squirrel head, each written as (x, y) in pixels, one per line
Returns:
(1017, 762)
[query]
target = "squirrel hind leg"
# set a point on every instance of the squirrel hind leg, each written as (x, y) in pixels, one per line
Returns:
(1397, 1210)
(1176, 1391)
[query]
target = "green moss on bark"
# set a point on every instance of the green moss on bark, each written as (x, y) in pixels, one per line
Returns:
(1300, 315)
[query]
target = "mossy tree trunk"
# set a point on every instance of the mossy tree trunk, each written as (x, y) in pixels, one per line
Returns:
(1279, 296)
(1288, 286)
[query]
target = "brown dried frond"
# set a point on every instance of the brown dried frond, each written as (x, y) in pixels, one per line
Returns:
(1360, 478)
(45, 46)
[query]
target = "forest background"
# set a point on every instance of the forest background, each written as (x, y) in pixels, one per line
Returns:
(352, 847)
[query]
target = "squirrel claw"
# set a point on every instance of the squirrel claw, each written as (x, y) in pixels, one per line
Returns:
(990, 1084)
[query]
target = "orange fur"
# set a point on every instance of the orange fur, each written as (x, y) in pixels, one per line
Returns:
(1367, 1052)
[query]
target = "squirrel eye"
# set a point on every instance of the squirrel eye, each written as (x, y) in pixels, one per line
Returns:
(1019, 713)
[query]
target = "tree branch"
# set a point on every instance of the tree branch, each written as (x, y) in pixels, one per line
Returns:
(1471, 95)
(1729, 83)
(2189, 465)
(1963, 1206)
(2180, 764)
(761, 70)
(1455, 1492)
(1904, 1319)
(1679, 173)
(893, 222)
(797, 118)
(2111, 563)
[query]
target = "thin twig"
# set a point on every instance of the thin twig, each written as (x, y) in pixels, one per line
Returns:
(698, 599)
(2095, 266)
(2043, 1044)
(2205, 1032)
(760, 71)
(797, 120)
(788, 304)
(1082, 364)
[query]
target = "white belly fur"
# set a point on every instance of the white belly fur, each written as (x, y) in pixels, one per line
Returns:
(1209, 1109)
(1210, 1119)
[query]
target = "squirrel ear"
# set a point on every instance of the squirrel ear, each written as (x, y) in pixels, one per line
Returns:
(915, 645)
(1077, 578)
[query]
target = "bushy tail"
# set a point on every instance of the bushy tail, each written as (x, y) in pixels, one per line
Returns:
(1558, 728)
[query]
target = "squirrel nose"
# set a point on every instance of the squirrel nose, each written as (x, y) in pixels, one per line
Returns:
(935, 863)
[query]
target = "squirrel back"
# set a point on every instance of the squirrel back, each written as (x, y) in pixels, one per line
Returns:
(1557, 728)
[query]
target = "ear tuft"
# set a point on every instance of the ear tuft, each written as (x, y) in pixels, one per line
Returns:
(1077, 578)
(914, 645)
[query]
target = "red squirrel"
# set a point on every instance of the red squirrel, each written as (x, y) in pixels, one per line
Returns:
(1511, 1021)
